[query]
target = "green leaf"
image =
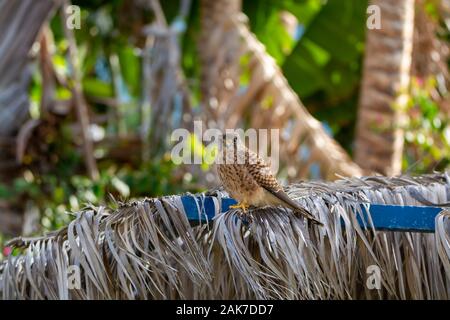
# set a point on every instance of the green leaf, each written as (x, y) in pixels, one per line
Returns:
(97, 88)
(130, 67)
(120, 186)
(327, 58)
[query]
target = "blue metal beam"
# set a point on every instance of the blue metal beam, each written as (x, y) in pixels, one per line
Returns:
(384, 217)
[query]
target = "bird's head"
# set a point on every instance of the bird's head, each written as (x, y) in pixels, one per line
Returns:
(229, 141)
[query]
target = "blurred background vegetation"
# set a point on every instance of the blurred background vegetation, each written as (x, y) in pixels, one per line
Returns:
(143, 68)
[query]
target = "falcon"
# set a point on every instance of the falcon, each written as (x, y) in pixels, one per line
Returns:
(249, 180)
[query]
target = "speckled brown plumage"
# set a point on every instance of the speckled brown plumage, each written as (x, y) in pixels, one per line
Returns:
(248, 178)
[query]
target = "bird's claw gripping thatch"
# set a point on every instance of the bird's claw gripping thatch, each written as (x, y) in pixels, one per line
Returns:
(241, 205)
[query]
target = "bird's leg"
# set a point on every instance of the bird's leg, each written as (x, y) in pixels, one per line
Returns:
(241, 205)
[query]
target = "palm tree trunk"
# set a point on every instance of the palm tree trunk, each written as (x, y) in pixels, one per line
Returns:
(386, 75)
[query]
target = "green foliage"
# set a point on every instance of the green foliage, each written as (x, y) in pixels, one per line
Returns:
(59, 192)
(109, 44)
(427, 130)
(325, 66)
(265, 21)
(322, 62)
(327, 57)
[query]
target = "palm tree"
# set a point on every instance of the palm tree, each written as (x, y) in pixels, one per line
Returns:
(386, 75)
(20, 22)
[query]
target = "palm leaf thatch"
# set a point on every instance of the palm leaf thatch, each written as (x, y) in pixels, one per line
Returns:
(149, 250)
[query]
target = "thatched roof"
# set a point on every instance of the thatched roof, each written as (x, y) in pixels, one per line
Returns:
(149, 249)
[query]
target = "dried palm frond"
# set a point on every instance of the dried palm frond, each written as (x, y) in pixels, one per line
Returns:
(165, 92)
(149, 250)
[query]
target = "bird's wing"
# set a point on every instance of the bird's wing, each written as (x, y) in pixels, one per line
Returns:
(261, 172)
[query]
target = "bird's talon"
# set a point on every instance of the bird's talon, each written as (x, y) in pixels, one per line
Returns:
(242, 206)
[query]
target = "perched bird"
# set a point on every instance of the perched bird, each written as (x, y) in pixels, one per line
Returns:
(249, 180)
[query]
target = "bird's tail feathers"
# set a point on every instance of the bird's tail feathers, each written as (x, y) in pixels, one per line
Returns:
(305, 213)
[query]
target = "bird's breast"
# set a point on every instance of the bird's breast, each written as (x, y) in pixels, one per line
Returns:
(237, 181)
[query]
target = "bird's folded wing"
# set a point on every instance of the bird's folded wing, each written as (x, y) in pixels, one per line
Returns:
(262, 174)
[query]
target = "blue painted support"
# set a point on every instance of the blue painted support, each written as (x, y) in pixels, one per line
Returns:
(401, 218)
(384, 217)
